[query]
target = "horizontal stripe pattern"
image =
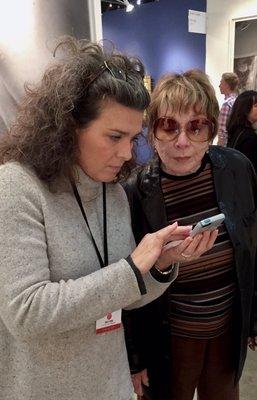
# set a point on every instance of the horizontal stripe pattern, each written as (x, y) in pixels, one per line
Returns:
(201, 298)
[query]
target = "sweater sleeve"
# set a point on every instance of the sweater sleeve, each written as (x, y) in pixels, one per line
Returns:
(32, 305)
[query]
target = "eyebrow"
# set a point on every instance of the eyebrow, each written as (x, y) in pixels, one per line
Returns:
(124, 132)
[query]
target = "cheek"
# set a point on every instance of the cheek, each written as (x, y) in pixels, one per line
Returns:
(200, 151)
(164, 149)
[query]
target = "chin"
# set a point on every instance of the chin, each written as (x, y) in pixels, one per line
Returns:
(109, 179)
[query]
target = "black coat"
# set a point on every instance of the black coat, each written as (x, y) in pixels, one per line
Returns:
(245, 140)
(146, 329)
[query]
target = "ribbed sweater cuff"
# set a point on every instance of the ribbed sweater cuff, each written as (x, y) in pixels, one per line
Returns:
(140, 280)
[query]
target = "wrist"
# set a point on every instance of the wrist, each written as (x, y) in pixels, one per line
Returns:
(165, 271)
(137, 272)
(140, 263)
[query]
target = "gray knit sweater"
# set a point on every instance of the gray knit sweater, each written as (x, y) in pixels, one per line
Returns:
(52, 290)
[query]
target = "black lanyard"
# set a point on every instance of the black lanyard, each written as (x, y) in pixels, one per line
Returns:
(102, 262)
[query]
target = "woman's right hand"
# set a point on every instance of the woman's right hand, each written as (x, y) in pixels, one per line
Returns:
(139, 380)
(149, 249)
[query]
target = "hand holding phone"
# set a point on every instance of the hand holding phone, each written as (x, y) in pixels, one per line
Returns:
(207, 224)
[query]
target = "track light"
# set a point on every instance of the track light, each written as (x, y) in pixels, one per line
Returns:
(129, 6)
(126, 3)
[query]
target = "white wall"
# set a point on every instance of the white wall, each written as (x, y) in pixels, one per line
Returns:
(28, 33)
(220, 35)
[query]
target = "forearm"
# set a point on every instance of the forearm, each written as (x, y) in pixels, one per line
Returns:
(45, 308)
(154, 287)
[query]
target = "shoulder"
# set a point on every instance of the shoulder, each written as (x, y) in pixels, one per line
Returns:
(225, 107)
(14, 172)
(249, 133)
(18, 182)
(247, 144)
(136, 182)
(143, 174)
(134, 178)
(116, 196)
(116, 191)
(230, 165)
(230, 101)
(226, 156)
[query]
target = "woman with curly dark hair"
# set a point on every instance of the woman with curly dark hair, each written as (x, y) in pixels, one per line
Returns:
(68, 259)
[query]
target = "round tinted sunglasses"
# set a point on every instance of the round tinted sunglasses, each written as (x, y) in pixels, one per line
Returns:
(167, 129)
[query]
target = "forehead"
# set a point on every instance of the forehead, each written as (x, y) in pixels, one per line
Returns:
(182, 114)
(118, 117)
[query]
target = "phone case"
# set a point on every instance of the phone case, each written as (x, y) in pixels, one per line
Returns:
(208, 224)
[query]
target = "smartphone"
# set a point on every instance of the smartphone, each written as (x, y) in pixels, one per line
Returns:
(207, 224)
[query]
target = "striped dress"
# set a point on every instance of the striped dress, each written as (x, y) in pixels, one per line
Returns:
(201, 298)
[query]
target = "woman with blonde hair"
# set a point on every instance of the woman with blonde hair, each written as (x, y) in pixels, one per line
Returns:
(194, 337)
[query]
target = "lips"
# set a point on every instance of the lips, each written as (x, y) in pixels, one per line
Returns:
(115, 168)
(181, 159)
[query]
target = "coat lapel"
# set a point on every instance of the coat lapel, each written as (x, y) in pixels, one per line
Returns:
(225, 191)
(152, 198)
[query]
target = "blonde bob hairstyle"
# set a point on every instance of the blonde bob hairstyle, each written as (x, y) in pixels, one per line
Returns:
(178, 93)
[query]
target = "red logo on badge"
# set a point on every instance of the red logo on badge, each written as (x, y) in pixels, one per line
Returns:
(109, 315)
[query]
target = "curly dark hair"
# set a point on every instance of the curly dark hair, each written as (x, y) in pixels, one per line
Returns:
(68, 98)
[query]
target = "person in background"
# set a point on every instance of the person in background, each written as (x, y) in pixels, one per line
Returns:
(195, 335)
(229, 87)
(68, 261)
(241, 134)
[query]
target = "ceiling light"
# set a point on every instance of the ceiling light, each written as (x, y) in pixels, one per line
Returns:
(138, 2)
(129, 6)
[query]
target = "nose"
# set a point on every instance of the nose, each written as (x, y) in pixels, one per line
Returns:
(125, 150)
(182, 140)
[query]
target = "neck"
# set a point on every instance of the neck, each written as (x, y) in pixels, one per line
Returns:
(227, 94)
(170, 172)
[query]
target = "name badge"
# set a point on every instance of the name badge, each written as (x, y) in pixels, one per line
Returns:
(110, 322)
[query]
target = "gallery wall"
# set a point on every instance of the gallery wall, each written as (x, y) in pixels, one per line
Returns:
(28, 33)
(220, 35)
(158, 33)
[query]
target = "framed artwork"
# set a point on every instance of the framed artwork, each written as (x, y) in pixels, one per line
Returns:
(245, 53)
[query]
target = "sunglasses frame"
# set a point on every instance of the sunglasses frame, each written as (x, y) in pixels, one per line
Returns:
(156, 122)
(105, 67)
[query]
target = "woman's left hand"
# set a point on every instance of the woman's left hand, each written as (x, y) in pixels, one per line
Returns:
(252, 343)
(190, 249)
